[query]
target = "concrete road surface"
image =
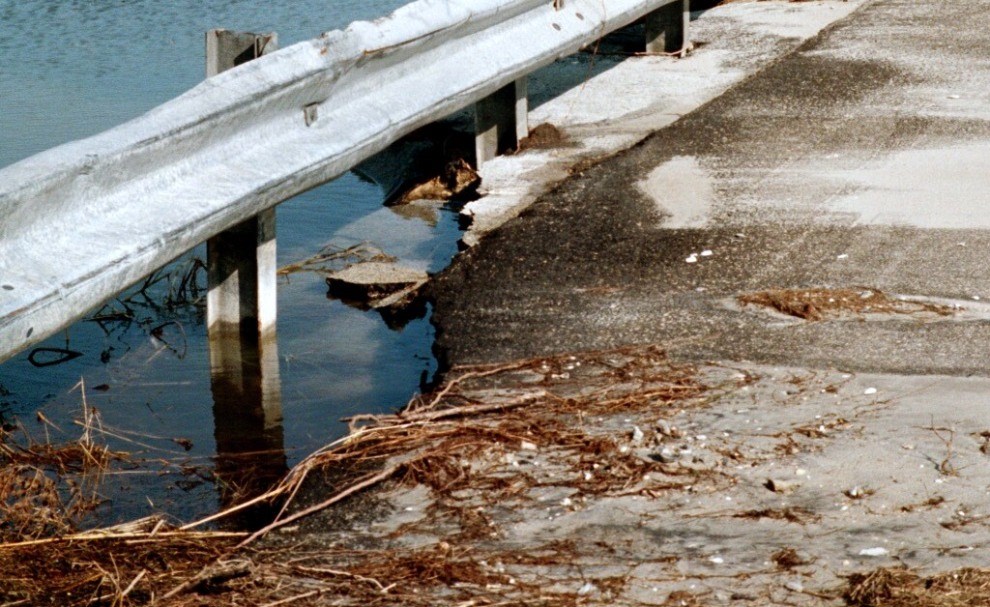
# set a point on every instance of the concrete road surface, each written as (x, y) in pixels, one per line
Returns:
(862, 160)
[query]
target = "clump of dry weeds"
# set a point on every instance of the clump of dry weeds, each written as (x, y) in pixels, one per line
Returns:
(430, 441)
(459, 443)
(47, 489)
(822, 304)
(902, 588)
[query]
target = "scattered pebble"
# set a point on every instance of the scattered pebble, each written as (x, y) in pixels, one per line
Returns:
(878, 551)
(706, 253)
(781, 486)
(667, 456)
(587, 589)
(869, 391)
(795, 586)
(527, 446)
(692, 258)
(843, 256)
(858, 492)
(717, 560)
(637, 435)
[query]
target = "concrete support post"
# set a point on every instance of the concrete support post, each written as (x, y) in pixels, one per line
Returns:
(241, 312)
(667, 28)
(226, 49)
(241, 270)
(501, 121)
(241, 261)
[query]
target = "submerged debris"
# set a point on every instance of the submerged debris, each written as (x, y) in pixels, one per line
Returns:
(823, 304)
(377, 284)
(458, 179)
(333, 258)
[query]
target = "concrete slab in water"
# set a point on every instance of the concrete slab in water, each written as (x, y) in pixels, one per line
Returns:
(376, 283)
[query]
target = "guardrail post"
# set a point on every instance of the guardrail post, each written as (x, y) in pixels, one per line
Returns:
(501, 121)
(241, 261)
(667, 27)
(241, 312)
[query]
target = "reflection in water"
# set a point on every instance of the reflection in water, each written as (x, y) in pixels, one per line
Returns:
(72, 69)
(247, 414)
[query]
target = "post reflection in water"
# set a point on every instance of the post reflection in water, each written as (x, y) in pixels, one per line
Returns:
(247, 414)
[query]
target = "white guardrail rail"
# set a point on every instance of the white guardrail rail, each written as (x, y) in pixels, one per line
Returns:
(81, 222)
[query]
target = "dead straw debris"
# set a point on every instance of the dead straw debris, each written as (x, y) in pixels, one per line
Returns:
(887, 587)
(818, 304)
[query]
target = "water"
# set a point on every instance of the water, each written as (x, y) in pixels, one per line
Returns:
(72, 68)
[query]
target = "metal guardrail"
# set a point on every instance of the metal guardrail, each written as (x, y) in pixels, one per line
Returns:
(81, 222)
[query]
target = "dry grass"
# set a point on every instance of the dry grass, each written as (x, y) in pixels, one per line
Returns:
(113, 567)
(47, 489)
(824, 304)
(453, 442)
(428, 442)
(458, 443)
(903, 588)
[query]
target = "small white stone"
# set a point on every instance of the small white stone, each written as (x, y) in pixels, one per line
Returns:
(692, 258)
(527, 446)
(878, 551)
(717, 560)
(843, 256)
(587, 589)
(869, 391)
(706, 253)
(795, 586)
